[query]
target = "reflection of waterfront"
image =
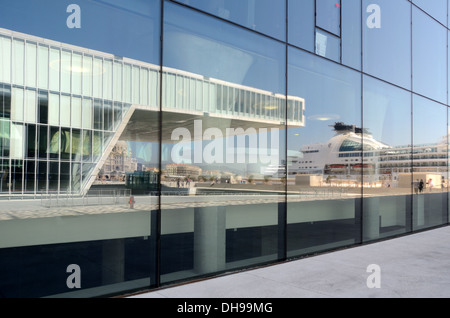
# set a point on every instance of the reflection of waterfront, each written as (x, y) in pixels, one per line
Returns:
(353, 157)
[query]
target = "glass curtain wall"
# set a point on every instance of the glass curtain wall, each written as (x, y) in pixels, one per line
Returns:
(66, 97)
(324, 156)
(224, 158)
(191, 138)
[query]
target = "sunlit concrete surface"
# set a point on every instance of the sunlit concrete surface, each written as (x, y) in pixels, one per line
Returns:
(412, 266)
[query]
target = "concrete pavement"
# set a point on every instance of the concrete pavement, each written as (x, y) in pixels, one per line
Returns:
(411, 266)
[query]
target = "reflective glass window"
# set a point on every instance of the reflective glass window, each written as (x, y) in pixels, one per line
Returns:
(205, 148)
(264, 16)
(134, 33)
(351, 33)
(5, 59)
(387, 50)
(30, 106)
(18, 61)
(17, 100)
(30, 60)
(429, 161)
(429, 57)
(43, 66)
(318, 217)
(436, 8)
(328, 45)
(301, 24)
(77, 71)
(328, 15)
(54, 69)
(53, 110)
(387, 159)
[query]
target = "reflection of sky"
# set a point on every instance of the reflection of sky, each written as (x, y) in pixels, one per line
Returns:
(126, 28)
(204, 45)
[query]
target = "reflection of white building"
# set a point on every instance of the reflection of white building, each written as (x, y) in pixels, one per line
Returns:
(118, 163)
(352, 151)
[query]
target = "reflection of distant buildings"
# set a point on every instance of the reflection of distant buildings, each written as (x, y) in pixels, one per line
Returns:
(182, 171)
(118, 164)
(353, 153)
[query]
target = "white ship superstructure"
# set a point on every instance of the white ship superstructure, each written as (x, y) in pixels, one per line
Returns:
(353, 150)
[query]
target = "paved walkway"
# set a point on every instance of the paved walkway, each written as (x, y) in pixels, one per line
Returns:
(412, 266)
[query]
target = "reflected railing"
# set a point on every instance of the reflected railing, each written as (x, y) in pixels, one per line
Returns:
(93, 197)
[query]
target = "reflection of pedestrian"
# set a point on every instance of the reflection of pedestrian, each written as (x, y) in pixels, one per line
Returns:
(416, 186)
(421, 186)
(431, 184)
(131, 202)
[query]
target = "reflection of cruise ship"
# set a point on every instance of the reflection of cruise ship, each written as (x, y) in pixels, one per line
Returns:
(353, 150)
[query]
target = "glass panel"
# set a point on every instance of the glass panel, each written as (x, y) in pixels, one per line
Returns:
(53, 110)
(17, 143)
(76, 112)
(328, 15)
(30, 106)
(87, 146)
(65, 146)
(5, 60)
(4, 138)
(53, 176)
(77, 71)
(88, 72)
(18, 61)
(76, 146)
(56, 82)
(351, 33)
(144, 86)
(436, 8)
(65, 110)
(154, 89)
(43, 65)
(107, 79)
(29, 176)
(323, 209)
(17, 104)
(108, 116)
(31, 141)
(264, 16)
(97, 73)
(117, 115)
(87, 113)
(30, 72)
(301, 24)
(43, 142)
(66, 70)
(5, 110)
(41, 176)
(98, 114)
(127, 83)
(430, 155)
(211, 158)
(429, 57)
(118, 81)
(328, 45)
(16, 176)
(387, 160)
(387, 50)
(43, 107)
(54, 69)
(54, 143)
(135, 81)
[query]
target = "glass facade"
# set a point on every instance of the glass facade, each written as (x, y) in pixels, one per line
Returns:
(192, 138)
